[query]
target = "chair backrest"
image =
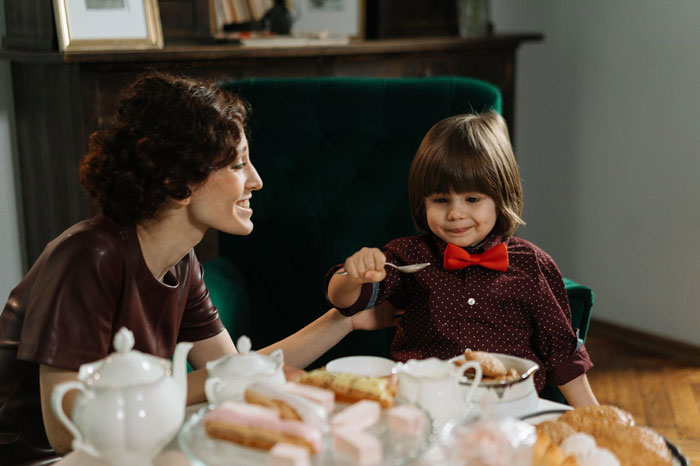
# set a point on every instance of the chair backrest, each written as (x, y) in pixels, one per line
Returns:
(334, 155)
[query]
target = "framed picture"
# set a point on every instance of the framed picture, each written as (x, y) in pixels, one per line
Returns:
(108, 24)
(334, 17)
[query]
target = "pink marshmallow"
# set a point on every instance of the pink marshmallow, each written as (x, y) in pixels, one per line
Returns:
(286, 454)
(361, 447)
(357, 416)
(405, 419)
(325, 398)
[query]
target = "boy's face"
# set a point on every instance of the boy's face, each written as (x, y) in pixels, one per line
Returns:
(463, 219)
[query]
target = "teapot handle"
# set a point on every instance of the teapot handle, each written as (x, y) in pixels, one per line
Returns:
(57, 405)
(477, 377)
(211, 389)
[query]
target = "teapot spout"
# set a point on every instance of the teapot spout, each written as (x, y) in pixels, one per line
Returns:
(180, 365)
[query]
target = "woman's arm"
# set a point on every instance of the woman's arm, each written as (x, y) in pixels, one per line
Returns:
(300, 349)
(308, 344)
(59, 437)
(578, 392)
(202, 351)
(305, 346)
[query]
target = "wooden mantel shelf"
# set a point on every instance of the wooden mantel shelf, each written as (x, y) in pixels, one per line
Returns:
(61, 98)
(184, 52)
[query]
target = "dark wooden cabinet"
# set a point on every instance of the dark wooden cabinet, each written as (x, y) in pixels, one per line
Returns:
(61, 98)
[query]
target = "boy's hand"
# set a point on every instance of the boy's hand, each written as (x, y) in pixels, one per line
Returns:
(366, 265)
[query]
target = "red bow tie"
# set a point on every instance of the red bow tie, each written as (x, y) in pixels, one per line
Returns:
(495, 258)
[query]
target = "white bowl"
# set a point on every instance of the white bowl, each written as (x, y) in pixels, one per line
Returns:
(509, 398)
(369, 366)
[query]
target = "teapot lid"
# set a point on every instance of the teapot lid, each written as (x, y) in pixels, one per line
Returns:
(124, 367)
(246, 363)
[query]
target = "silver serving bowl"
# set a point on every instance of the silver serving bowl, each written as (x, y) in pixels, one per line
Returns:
(507, 398)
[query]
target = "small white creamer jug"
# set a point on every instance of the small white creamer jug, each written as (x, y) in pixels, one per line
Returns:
(433, 384)
(231, 374)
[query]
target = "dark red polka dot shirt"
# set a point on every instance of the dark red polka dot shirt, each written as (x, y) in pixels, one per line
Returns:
(522, 312)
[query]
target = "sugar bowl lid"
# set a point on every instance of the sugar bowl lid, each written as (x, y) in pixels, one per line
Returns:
(246, 363)
(124, 367)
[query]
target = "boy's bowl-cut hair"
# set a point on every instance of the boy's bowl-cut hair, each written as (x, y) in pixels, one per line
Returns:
(468, 153)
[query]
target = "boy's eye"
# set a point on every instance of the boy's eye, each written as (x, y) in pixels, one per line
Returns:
(238, 166)
(440, 200)
(472, 199)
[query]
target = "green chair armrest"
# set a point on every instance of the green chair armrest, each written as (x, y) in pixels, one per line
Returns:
(581, 304)
(228, 293)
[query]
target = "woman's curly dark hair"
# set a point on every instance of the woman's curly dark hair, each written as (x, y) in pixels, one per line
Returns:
(170, 133)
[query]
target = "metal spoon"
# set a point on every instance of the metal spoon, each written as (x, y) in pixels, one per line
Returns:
(410, 268)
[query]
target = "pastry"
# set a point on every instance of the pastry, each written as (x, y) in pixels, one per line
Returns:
(405, 419)
(587, 453)
(491, 366)
(614, 430)
(286, 454)
(634, 445)
(585, 419)
(289, 405)
(259, 427)
(547, 453)
(350, 388)
(493, 370)
(359, 446)
(325, 398)
(357, 416)
(557, 431)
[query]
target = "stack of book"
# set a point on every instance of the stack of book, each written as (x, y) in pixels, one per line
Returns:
(229, 12)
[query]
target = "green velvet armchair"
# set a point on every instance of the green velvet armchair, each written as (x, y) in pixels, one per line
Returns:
(334, 155)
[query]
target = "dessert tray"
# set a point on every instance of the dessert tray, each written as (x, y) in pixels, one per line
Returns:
(541, 416)
(203, 450)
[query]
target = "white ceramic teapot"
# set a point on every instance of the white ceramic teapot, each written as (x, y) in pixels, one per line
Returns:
(231, 374)
(131, 403)
(433, 384)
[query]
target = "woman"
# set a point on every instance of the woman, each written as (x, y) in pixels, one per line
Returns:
(174, 164)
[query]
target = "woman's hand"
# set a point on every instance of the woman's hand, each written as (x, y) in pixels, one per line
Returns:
(382, 316)
(366, 266)
(291, 373)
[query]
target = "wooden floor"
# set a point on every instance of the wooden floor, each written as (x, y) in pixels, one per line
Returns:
(661, 391)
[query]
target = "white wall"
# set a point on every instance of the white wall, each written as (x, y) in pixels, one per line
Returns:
(10, 249)
(608, 139)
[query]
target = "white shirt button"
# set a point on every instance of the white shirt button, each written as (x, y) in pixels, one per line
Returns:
(471, 301)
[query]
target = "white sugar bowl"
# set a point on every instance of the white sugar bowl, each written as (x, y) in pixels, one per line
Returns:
(130, 404)
(231, 374)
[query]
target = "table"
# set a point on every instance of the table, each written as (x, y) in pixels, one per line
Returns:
(173, 456)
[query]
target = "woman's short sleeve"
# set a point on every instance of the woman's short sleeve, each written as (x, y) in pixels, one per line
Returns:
(200, 319)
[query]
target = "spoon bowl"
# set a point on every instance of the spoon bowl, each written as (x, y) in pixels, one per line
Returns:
(410, 268)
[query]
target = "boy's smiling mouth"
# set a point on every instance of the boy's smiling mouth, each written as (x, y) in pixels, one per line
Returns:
(458, 231)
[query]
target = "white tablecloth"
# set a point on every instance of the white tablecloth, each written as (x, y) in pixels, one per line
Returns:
(173, 456)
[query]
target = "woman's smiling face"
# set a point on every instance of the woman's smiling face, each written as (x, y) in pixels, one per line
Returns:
(463, 219)
(222, 201)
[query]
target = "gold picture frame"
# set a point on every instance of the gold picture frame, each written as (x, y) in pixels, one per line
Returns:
(336, 17)
(84, 25)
